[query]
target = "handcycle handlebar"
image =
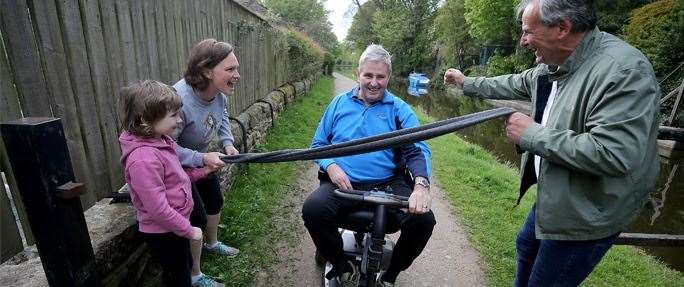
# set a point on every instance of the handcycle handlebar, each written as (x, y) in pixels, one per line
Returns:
(376, 197)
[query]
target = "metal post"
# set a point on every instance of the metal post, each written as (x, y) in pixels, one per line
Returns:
(40, 159)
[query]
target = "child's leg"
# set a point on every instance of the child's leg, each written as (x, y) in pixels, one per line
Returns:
(209, 189)
(198, 218)
(173, 253)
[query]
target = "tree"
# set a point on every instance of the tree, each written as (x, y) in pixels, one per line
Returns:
(451, 32)
(308, 16)
(491, 21)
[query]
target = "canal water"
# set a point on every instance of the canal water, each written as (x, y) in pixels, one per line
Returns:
(664, 215)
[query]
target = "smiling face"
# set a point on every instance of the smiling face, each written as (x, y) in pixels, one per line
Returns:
(168, 124)
(542, 39)
(225, 75)
(373, 77)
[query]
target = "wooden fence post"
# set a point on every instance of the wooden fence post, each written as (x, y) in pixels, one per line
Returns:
(39, 157)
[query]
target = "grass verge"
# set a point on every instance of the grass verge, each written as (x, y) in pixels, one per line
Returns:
(254, 200)
(483, 191)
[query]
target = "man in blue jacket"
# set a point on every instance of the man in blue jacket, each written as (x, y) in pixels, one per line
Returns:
(368, 110)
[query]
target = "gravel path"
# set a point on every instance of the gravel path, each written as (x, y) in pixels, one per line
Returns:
(448, 259)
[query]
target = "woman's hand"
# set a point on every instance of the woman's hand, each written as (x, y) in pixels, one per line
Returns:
(231, 150)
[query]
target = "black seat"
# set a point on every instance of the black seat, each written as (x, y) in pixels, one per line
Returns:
(361, 221)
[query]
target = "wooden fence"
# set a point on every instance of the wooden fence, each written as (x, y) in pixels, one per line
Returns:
(68, 59)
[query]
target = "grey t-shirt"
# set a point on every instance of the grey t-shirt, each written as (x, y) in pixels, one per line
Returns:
(202, 121)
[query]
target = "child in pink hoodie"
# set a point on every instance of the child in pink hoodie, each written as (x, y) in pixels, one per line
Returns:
(160, 188)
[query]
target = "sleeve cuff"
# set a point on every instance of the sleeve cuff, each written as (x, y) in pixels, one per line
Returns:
(197, 159)
(324, 163)
(469, 85)
(528, 137)
(227, 143)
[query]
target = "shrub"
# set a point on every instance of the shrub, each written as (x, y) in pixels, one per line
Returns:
(520, 61)
(306, 57)
(328, 63)
(656, 29)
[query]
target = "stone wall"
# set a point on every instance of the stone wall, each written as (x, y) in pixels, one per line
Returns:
(122, 257)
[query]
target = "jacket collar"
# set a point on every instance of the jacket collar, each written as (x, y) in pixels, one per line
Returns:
(582, 52)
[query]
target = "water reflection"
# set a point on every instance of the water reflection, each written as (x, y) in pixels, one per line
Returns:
(667, 218)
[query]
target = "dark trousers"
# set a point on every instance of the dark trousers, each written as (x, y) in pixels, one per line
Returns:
(322, 211)
(556, 262)
(173, 253)
(207, 198)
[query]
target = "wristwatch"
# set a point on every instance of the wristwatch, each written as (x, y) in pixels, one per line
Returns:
(423, 182)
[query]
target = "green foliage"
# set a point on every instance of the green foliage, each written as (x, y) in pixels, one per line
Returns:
(306, 57)
(491, 21)
(520, 61)
(613, 15)
(328, 63)
(656, 30)
(307, 16)
(404, 28)
(457, 48)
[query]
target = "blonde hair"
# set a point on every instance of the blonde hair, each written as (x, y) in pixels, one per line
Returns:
(144, 103)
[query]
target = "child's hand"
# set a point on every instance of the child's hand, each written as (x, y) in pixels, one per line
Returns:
(213, 160)
(196, 233)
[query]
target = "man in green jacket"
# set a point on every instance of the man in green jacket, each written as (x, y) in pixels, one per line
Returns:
(590, 143)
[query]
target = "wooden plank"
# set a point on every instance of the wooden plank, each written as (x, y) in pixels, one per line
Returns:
(643, 239)
(671, 133)
(85, 98)
(10, 239)
(163, 46)
(129, 56)
(106, 103)
(10, 108)
(671, 150)
(115, 63)
(140, 40)
(151, 39)
(23, 57)
(54, 59)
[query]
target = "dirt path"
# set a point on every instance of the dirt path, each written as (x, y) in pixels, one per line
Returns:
(448, 259)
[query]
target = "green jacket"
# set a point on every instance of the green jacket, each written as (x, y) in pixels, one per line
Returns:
(598, 149)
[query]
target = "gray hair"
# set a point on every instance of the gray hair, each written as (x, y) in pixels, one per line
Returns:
(580, 13)
(376, 53)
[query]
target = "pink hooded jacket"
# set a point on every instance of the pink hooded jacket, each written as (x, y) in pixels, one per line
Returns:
(160, 187)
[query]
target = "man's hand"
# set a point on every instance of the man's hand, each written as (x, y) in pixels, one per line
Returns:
(338, 177)
(420, 200)
(516, 124)
(213, 160)
(454, 76)
(231, 150)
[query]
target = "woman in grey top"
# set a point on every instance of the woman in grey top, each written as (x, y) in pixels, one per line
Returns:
(211, 75)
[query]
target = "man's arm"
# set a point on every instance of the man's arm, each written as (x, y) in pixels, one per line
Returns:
(323, 137)
(506, 87)
(619, 125)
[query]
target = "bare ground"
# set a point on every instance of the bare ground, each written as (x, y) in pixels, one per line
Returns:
(448, 259)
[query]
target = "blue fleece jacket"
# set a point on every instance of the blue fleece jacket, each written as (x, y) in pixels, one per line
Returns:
(347, 118)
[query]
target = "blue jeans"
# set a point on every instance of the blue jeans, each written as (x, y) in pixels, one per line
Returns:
(556, 262)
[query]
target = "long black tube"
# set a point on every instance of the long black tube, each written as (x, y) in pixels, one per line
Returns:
(373, 143)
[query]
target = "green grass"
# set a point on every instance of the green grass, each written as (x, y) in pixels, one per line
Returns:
(483, 193)
(247, 219)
